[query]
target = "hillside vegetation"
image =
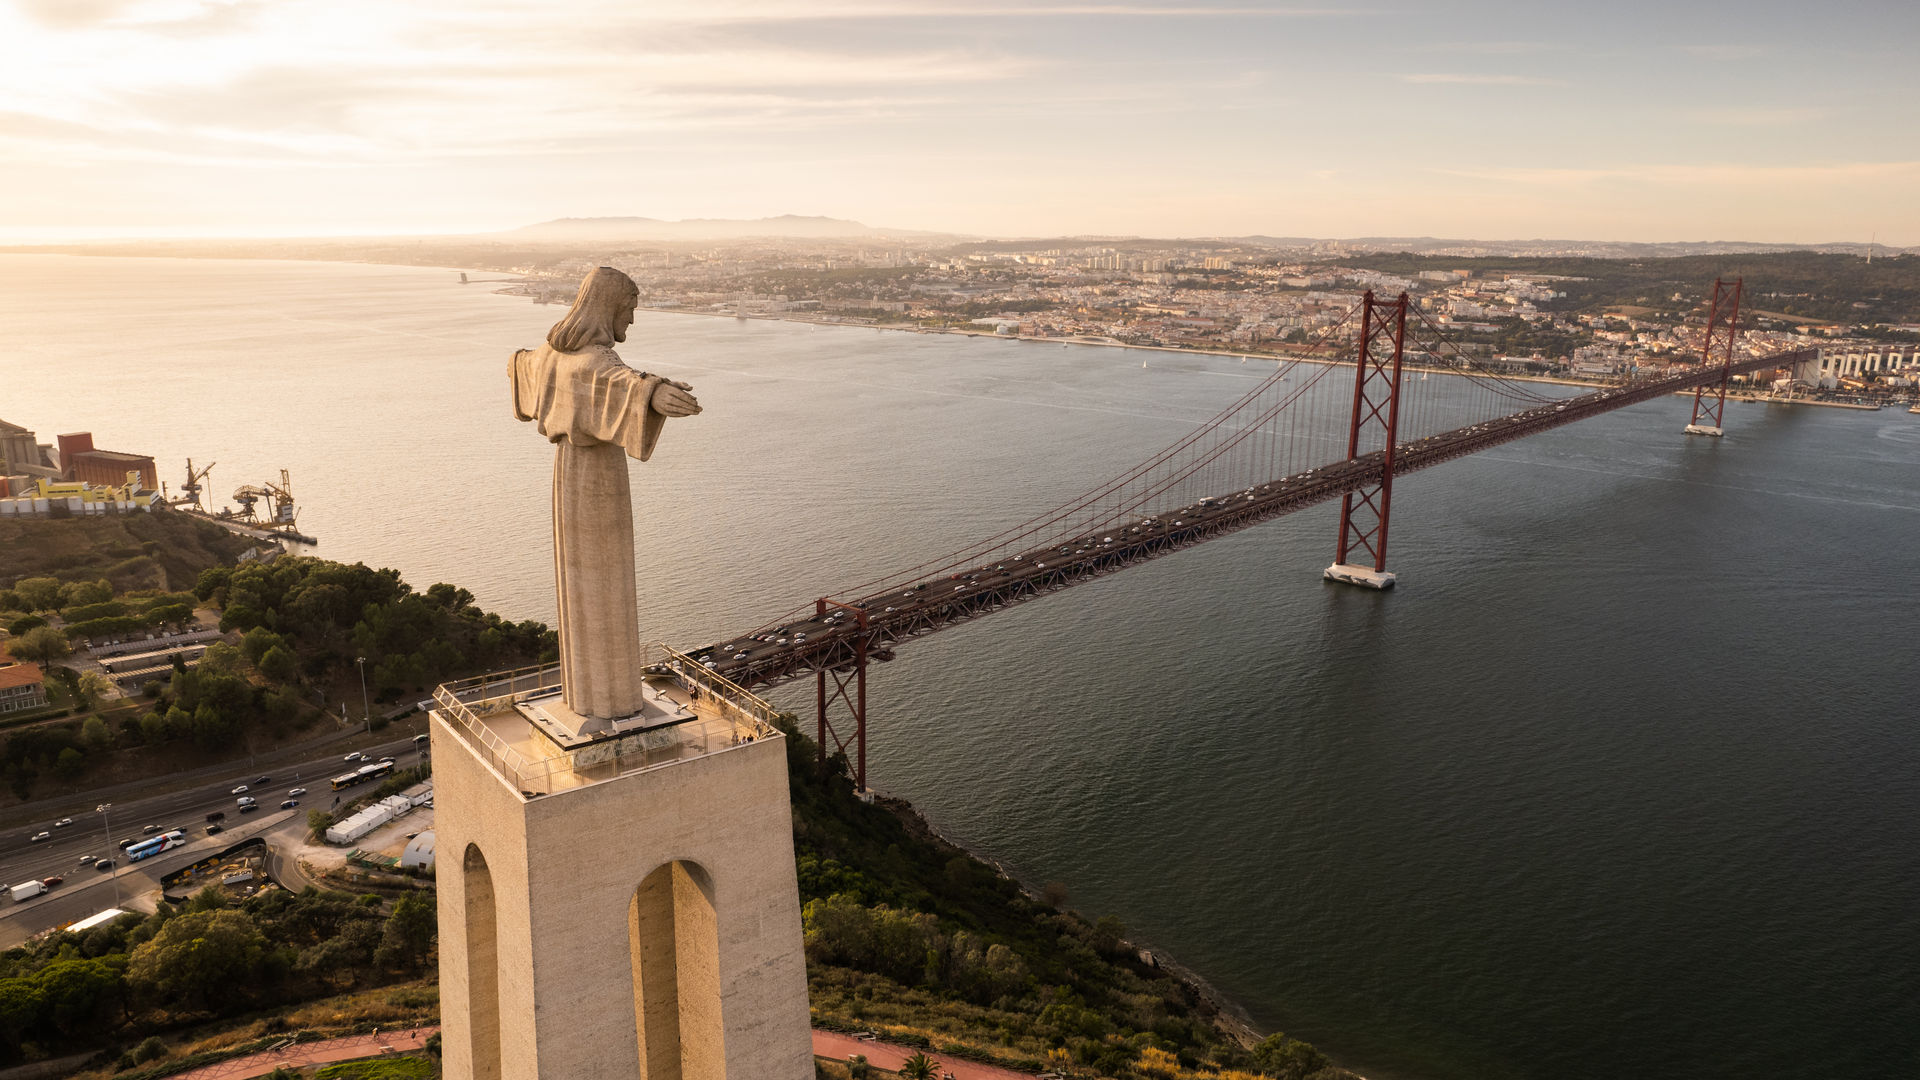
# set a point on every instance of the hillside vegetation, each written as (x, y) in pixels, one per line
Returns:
(161, 550)
(1803, 284)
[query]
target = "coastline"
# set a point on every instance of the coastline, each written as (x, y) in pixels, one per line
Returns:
(1228, 1015)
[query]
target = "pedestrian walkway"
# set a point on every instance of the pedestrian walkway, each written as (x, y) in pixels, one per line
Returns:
(889, 1056)
(826, 1044)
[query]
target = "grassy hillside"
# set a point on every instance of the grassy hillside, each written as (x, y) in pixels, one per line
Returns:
(159, 550)
(914, 938)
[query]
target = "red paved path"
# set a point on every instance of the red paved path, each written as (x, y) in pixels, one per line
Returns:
(832, 1044)
(827, 1044)
(307, 1055)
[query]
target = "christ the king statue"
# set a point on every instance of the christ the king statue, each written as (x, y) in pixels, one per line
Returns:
(596, 411)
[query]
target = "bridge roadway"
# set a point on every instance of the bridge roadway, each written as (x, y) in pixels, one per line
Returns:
(906, 611)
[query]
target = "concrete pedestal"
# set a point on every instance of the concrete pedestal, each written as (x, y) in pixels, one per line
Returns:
(646, 925)
(1703, 429)
(1360, 575)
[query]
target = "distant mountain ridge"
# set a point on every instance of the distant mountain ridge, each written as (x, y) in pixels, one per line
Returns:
(785, 226)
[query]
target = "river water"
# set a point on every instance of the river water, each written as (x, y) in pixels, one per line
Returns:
(1620, 782)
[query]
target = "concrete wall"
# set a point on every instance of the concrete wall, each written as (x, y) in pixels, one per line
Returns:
(565, 871)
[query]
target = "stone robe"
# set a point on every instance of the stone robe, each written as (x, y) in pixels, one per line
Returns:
(596, 411)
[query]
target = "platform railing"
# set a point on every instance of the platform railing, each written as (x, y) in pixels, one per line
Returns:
(464, 702)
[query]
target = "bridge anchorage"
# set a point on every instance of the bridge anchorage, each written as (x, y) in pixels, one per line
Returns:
(1262, 457)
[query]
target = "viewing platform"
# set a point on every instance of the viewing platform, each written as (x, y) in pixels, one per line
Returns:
(516, 722)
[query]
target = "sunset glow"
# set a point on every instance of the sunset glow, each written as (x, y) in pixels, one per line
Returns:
(1489, 120)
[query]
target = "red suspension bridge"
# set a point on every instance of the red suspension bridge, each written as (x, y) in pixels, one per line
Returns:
(1311, 432)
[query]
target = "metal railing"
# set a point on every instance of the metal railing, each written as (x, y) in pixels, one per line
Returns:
(465, 702)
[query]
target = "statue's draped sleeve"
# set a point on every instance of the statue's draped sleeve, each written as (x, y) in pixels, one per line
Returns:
(586, 398)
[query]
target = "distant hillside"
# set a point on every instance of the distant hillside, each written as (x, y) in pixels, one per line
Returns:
(161, 550)
(786, 226)
(1590, 249)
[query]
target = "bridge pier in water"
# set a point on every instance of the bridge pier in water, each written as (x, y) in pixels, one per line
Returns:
(1723, 319)
(1376, 408)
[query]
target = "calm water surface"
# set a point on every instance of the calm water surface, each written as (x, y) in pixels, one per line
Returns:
(1621, 782)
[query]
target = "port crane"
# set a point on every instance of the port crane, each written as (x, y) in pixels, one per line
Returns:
(279, 495)
(190, 487)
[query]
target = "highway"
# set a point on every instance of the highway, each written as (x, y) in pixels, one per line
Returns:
(61, 856)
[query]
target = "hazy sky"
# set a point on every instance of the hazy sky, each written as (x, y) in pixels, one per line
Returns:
(1605, 119)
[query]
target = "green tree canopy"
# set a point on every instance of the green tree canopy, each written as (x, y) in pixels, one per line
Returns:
(42, 644)
(203, 958)
(39, 593)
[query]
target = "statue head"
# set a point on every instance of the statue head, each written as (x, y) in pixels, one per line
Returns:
(601, 312)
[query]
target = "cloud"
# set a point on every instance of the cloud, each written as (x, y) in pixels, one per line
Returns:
(1478, 79)
(1830, 174)
(1758, 117)
(1486, 48)
(1726, 52)
(788, 11)
(72, 13)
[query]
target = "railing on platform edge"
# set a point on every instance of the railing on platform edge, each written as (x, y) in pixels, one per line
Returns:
(535, 776)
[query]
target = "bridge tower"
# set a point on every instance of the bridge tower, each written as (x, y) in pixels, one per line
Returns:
(1375, 426)
(850, 678)
(1723, 318)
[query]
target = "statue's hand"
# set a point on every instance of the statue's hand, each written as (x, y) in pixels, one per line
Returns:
(673, 399)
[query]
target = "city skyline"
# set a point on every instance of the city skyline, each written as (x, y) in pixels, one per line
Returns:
(1492, 121)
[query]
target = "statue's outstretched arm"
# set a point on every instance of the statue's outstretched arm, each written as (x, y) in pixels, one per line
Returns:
(672, 398)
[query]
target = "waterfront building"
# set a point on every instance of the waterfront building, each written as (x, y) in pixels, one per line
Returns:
(46, 498)
(21, 454)
(79, 460)
(22, 686)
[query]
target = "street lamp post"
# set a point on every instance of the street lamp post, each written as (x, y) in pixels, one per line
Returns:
(106, 825)
(366, 711)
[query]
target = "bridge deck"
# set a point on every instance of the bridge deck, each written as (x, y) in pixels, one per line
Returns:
(916, 608)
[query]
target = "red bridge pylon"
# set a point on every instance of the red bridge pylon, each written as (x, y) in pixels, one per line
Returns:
(1723, 325)
(1376, 408)
(851, 677)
